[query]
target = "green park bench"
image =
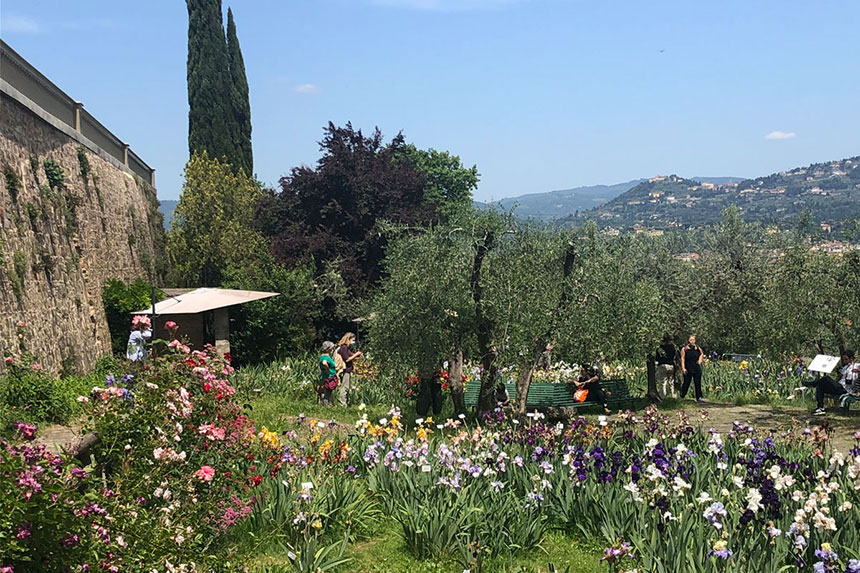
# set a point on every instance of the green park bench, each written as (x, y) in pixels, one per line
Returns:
(546, 395)
(849, 399)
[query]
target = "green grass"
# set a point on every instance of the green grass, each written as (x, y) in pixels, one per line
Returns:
(387, 553)
(278, 413)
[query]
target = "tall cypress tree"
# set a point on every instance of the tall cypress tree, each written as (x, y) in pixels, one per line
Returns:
(239, 100)
(210, 118)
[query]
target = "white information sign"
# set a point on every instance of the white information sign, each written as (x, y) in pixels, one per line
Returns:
(824, 363)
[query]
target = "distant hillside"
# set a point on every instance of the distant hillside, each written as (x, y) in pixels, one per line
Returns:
(167, 207)
(564, 203)
(558, 204)
(830, 190)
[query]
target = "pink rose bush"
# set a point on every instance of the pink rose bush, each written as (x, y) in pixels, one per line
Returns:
(169, 480)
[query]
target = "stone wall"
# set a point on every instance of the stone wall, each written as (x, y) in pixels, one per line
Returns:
(63, 232)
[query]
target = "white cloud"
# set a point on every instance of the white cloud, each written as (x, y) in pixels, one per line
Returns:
(447, 5)
(306, 89)
(780, 135)
(19, 24)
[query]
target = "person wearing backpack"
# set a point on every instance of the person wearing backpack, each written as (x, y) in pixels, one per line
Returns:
(328, 373)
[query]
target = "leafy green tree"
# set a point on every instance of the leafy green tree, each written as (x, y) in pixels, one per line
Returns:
(213, 232)
(724, 298)
(447, 183)
(618, 309)
(239, 99)
(811, 302)
(423, 312)
(530, 279)
(502, 289)
(272, 328)
(211, 124)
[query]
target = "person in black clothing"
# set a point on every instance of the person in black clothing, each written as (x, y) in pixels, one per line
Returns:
(590, 380)
(691, 366)
(848, 383)
(501, 395)
(665, 371)
(430, 395)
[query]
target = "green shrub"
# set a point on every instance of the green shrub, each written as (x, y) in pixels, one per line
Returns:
(32, 212)
(33, 395)
(272, 328)
(13, 182)
(54, 173)
(17, 273)
(148, 497)
(84, 163)
(34, 167)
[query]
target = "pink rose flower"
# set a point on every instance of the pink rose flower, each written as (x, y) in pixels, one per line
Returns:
(9, 360)
(36, 366)
(206, 473)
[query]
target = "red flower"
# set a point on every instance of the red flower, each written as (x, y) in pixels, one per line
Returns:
(207, 387)
(257, 480)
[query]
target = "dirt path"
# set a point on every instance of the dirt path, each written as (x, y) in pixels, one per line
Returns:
(766, 417)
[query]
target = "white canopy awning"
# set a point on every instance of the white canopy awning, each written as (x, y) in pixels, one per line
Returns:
(203, 299)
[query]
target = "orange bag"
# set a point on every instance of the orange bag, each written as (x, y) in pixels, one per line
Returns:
(580, 395)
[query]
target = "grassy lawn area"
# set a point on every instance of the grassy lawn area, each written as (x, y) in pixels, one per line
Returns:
(386, 552)
(279, 413)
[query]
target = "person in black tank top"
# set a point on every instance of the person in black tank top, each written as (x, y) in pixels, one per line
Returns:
(691, 366)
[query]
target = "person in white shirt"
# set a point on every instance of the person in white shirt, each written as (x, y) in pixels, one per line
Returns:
(848, 383)
(141, 333)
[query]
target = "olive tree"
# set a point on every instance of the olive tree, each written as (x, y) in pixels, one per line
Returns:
(528, 295)
(811, 302)
(423, 312)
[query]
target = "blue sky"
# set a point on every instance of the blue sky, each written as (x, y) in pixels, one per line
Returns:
(540, 94)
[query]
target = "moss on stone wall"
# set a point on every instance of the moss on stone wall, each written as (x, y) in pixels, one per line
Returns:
(62, 236)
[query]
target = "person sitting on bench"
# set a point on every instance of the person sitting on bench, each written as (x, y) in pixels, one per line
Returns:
(501, 395)
(849, 382)
(589, 379)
